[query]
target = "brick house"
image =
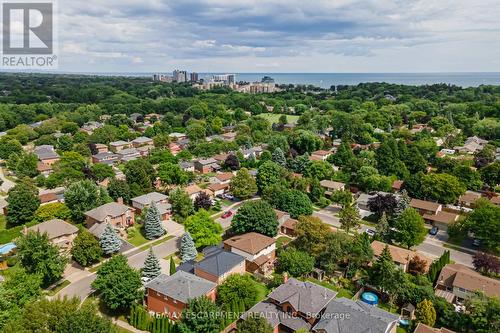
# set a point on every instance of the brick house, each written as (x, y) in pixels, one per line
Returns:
(331, 186)
(442, 219)
(400, 256)
(206, 165)
(218, 265)
(321, 155)
(170, 294)
(105, 158)
(46, 154)
(218, 188)
(115, 213)
(457, 282)
(101, 148)
(422, 328)
(119, 145)
(161, 201)
(258, 250)
(142, 141)
(425, 207)
(293, 305)
(60, 233)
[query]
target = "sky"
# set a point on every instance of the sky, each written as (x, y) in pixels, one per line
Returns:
(279, 35)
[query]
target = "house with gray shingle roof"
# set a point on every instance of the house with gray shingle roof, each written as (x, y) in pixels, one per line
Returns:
(170, 294)
(115, 213)
(343, 315)
(293, 305)
(60, 233)
(219, 264)
(161, 201)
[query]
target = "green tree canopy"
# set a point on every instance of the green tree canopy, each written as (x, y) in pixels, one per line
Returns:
(258, 216)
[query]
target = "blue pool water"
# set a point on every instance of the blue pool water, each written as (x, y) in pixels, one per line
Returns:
(4, 249)
(369, 298)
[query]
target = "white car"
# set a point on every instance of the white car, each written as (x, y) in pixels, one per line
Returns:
(370, 232)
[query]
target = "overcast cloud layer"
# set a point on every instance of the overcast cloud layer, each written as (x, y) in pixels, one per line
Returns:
(279, 35)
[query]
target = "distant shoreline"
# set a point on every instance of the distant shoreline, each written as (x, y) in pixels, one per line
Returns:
(325, 80)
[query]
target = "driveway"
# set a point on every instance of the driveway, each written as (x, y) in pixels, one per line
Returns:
(81, 288)
(7, 184)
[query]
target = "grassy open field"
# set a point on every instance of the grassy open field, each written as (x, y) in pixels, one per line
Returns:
(274, 117)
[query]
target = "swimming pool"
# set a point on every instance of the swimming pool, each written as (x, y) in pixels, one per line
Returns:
(369, 298)
(7, 248)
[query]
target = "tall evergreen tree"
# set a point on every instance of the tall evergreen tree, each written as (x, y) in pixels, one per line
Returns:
(403, 203)
(109, 241)
(151, 267)
(383, 271)
(188, 249)
(172, 267)
(383, 229)
(278, 157)
(152, 223)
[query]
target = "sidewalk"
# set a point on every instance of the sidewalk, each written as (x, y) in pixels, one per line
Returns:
(126, 326)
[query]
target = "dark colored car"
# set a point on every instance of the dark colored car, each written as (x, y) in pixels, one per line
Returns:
(434, 231)
(227, 214)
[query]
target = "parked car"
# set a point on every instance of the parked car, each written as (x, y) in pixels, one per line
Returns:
(227, 214)
(370, 232)
(434, 231)
(476, 242)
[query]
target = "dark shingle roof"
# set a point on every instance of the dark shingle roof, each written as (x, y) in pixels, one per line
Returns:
(220, 262)
(181, 286)
(363, 318)
(305, 297)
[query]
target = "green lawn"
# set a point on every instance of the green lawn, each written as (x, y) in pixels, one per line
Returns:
(156, 242)
(282, 240)
(262, 291)
(136, 235)
(59, 287)
(400, 329)
(342, 292)
(274, 117)
(386, 307)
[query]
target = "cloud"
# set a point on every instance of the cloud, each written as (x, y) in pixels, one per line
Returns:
(284, 35)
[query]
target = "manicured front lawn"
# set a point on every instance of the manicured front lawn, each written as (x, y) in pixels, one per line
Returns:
(136, 235)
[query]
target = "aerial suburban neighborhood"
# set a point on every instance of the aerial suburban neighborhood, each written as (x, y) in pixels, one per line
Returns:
(362, 209)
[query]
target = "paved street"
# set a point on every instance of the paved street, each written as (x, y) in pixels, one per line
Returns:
(81, 288)
(433, 246)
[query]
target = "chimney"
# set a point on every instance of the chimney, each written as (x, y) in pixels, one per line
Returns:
(285, 277)
(120, 200)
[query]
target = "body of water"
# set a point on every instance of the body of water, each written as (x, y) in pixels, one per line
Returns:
(326, 80)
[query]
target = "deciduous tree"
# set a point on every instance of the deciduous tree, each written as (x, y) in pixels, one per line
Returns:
(258, 216)
(86, 249)
(243, 185)
(204, 230)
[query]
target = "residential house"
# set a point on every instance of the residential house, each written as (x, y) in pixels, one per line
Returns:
(119, 145)
(222, 178)
(46, 154)
(220, 158)
(286, 225)
(142, 141)
(128, 154)
(468, 199)
(343, 315)
(193, 191)
(396, 185)
(293, 305)
(457, 282)
(206, 165)
(472, 145)
(331, 186)
(218, 189)
(362, 202)
(60, 233)
(422, 328)
(44, 169)
(229, 136)
(442, 219)
(258, 250)
(136, 117)
(400, 256)
(160, 200)
(115, 213)
(170, 294)
(106, 158)
(219, 264)
(426, 207)
(91, 126)
(49, 197)
(187, 166)
(101, 148)
(255, 151)
(174, 148)
(321, 155)
(177, 136)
